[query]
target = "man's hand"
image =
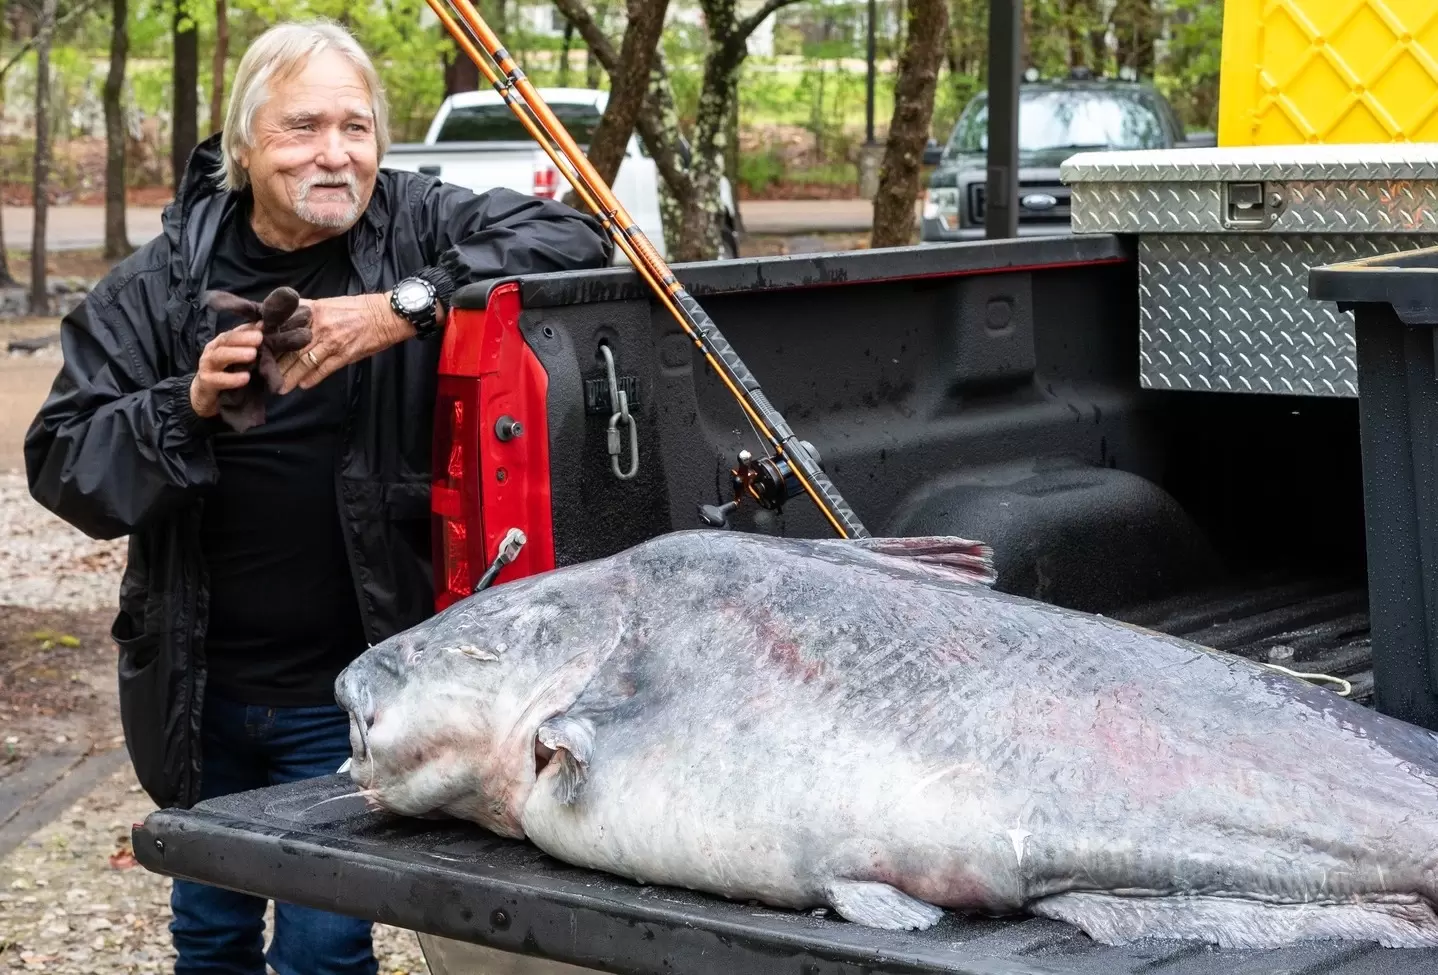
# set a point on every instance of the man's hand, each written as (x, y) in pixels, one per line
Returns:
(344, 330)
(236, 347)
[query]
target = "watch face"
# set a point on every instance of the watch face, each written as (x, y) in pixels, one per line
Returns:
(411, 295)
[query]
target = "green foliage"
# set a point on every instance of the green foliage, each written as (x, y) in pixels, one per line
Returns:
(1190, 75)
(757, 171)
(815, 81)
(150, 87)
(824, 97)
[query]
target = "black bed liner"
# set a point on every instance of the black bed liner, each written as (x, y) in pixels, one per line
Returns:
(458, 881)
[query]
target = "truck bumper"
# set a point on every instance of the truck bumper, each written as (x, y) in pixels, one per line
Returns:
(933, 232)
(445, 956)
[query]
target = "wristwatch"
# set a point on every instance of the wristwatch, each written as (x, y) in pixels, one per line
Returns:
(414, 298)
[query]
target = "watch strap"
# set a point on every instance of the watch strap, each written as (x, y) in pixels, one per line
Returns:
(439, 279)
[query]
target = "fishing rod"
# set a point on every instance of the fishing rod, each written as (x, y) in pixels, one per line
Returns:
(770, 481)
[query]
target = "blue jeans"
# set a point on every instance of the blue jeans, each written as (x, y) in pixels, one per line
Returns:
(221, 931)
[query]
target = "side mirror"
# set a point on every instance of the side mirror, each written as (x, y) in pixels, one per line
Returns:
(933, 152)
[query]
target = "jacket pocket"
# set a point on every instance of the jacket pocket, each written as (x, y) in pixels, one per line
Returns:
(147, 707)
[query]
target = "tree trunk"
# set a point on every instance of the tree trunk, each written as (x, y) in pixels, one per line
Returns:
(659, 128)
(694, 187)
(628, 86)
(185, 124)
(699, 232)
(1136, 27)
(1026, 33)
(460, 73)
(567, 43)
(731, 150)
(592, 63)
(7, 280)
(117, 240)
(909, 129)
(217, 66)
(39, 300)
(658, 119)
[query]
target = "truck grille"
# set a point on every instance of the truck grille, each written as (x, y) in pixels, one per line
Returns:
(1032, 197)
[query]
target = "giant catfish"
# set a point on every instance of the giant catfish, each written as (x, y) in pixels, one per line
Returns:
(870, 726)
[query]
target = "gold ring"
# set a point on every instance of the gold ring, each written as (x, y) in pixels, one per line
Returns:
(310, 355)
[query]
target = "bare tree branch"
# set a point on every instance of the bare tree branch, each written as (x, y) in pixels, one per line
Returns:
(628, 86)
(598, 42)
(651, 117)
(750, 24)
(60, 22)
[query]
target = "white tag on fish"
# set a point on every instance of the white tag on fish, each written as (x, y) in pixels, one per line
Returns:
(1019, 836)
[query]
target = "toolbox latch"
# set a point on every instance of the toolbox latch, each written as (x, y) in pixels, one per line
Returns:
(1248, 206)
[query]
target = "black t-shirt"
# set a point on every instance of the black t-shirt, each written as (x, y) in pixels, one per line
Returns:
(284, 614)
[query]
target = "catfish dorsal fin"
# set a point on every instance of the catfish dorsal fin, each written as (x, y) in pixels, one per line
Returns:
(958, 559)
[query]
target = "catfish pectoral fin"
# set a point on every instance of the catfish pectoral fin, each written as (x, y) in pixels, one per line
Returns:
(572, 741)
(878, 905)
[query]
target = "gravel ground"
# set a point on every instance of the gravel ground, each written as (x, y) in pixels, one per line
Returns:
(73, 901)
(46, 564)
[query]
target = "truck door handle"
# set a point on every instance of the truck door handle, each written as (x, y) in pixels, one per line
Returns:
(429, 170)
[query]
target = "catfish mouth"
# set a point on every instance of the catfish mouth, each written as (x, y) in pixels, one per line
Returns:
(359, 739)
(402, 770)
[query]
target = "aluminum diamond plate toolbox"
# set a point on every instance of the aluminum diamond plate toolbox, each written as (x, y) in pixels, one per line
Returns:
(1226, 239)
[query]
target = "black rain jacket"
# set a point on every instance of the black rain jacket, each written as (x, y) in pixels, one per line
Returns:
(117, 449)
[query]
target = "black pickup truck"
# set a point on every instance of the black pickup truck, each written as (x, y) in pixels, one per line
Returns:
(984, 389)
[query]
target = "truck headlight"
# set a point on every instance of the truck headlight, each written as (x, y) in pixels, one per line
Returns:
(942, 204)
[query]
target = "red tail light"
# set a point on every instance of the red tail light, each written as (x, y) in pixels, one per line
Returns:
(483, 486)
(454, 495)
(546, 180)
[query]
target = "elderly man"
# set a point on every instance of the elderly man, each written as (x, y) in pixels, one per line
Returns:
(261, 562)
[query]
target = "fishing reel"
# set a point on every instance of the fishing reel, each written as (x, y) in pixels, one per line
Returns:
(769, 481)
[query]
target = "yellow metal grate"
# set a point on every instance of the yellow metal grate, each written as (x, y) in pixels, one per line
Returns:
(1329, 71)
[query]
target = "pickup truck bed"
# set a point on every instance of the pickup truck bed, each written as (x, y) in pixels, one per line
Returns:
(458, 881)
(988, 390)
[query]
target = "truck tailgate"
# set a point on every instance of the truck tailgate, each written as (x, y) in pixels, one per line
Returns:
(315, 843)
(478, 166)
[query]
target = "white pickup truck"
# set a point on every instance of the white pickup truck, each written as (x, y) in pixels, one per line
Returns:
(476, 142)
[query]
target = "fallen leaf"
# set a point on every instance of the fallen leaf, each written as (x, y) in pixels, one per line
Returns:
(123, 860)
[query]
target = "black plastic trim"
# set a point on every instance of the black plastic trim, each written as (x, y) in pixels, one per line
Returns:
(1407, 280)
(513, 899)
(313, 843)
(475, 297)
(816, 270)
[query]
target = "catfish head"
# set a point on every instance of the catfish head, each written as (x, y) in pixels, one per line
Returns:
(445, 716)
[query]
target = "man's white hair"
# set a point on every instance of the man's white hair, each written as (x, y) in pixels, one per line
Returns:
(276, 54)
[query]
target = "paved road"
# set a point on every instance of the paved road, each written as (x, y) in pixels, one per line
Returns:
(76, 228)
(79, 228)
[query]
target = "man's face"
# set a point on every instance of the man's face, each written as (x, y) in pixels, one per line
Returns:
(315, 154)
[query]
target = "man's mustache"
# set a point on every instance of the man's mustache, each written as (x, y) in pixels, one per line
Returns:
(347, 180)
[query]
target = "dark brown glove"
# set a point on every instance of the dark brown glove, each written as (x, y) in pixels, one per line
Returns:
(286, 328)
